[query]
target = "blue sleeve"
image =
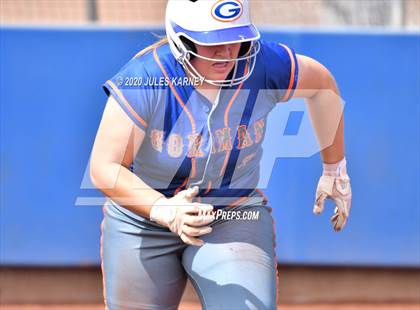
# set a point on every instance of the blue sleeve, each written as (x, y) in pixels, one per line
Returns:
(281, 69)
(129, 90)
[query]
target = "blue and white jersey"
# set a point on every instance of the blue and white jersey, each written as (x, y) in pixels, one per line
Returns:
(192, 141)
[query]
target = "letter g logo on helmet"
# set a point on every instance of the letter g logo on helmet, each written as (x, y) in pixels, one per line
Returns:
(227, 10)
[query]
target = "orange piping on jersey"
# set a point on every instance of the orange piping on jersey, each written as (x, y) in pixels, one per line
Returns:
(226, 119)
(150, 47)
(238, 201)
(225, 162)
(262, 195)
(181, 186)
(144, 51)
(208, 188)
(126, 104)
(292, 73)
(178, 98)
(242, 199)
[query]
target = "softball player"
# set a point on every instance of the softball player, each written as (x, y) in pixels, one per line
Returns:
(180, 137)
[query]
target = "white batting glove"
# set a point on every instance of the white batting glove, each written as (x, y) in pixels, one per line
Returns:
(184, 217)
(334, 184)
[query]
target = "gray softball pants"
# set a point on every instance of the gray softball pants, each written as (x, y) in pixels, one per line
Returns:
(146, 266)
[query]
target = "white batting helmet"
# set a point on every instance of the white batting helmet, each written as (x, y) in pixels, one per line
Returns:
(211, 22)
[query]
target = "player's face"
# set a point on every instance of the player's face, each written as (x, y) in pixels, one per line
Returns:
(216, 70)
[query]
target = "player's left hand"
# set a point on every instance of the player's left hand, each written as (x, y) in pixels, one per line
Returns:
(334, 186)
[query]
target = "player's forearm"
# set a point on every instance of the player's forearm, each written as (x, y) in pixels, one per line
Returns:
(335, 152)
(125, 188)
(326, 114)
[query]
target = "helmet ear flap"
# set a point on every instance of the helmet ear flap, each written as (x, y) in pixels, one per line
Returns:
(245, 48)
(189, 45)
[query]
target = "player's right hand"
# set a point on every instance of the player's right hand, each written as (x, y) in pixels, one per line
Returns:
(183, 217)
(334, 184)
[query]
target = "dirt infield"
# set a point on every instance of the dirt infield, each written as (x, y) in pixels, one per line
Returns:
(195, 306)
